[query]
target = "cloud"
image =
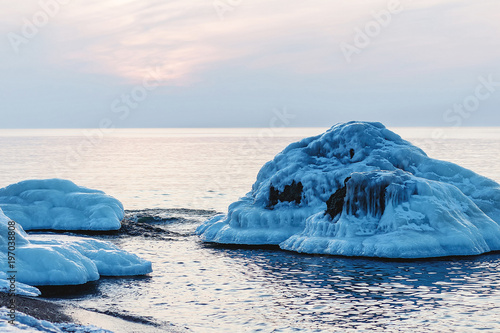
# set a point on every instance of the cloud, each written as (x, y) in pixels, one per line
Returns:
(183, 38)
(262, 54)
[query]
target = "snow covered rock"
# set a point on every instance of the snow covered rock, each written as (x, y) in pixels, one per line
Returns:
(60, 205)
(360, 190)
(61, 260)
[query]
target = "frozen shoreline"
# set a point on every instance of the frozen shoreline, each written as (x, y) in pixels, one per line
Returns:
(54, 312)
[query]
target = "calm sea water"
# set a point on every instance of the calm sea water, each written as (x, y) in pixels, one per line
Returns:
(157, 172)
(196, 168)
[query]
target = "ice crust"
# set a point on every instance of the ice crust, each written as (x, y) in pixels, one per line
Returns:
(60, 205)
(398, 203)
(25, 324)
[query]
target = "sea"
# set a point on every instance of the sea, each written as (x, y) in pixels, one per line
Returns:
(175, 179)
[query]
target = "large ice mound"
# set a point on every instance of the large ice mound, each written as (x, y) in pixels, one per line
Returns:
(361, 190)
(60, 205)
(60, 260)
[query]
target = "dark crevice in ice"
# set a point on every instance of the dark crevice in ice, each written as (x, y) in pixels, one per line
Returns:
(365, 199)
(335, 203)
(291, 193)
(368, 196)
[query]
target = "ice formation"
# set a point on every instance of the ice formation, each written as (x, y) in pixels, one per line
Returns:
(62, 260)
(108, 259)
(21, 289)
(361, 190)
(60, 205)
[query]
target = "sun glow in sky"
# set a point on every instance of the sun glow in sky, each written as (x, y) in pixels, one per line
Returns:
(224, 63)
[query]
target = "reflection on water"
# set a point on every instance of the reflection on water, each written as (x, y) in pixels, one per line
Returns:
(217, 289)
(369, 294)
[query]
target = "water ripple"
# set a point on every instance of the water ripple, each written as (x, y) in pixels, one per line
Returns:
(210, 289)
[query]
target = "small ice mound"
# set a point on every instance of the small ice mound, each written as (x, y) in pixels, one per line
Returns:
(394, 214)
(60, 205)
(44, 265)
(37, 264)
(108, 258)
(309, 178)
(41, 260)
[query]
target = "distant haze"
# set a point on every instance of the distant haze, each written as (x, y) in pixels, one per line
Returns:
(248, 63)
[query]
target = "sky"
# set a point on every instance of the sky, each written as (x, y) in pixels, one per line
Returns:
(248, 63)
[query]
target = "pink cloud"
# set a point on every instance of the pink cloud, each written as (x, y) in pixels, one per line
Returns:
(184, 38)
